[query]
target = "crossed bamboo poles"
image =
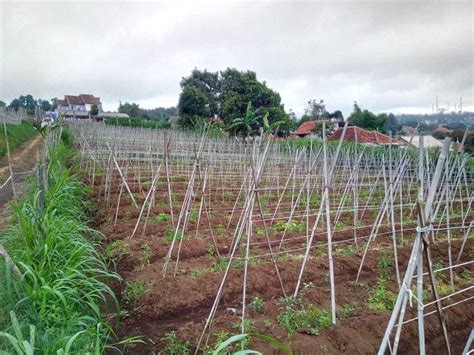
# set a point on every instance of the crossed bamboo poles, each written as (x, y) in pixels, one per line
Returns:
(262, 157)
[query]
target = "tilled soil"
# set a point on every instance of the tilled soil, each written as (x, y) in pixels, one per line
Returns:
(181, 302)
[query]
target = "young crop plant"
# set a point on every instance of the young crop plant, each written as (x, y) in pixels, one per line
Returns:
(169, 235)
(381, 298)
(267, 323)
(346, 310)
(117, 250)
(145, 257)
(292, 226)
(220, 264)
(211, 250)
(297, 316)
(197, 272)
(257, 304)
(163, 217)
(174, 345)
(133, 290)
(193, 216)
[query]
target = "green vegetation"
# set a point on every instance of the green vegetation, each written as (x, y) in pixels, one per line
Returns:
(174, 345)
(381, 298)
(117, 251)
(137, 122)
(169, 235)
(257, 304)
(230, 94)
(241, 341)
(297, 316)
(368, 120)
(146, 254)
(163, 217)
(292, 226)
(17, 135)
(159, 113)
(197, 272)
(62, 289)
(133, 290)
(346, 310)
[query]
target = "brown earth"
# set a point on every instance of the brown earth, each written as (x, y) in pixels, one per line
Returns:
(182, 302)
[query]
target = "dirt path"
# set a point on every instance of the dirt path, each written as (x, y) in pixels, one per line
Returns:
(23, 161)
(23, 158)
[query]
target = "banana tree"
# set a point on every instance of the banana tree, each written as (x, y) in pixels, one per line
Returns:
(247, 125)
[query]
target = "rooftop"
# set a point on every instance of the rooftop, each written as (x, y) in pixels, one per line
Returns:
(360, 135)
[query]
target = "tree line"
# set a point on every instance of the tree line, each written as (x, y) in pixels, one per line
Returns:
(234, 101)
(28, 102)
(160, 113)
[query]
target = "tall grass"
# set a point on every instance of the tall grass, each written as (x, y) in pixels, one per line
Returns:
(58, 300)
(17, 134)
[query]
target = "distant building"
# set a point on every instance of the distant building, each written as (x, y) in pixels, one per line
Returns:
(409, 130)
(80, 104)
(308, 128)
(428, 141)
(362, 136)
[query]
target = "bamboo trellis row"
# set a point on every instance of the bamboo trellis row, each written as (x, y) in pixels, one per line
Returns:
(322, 193)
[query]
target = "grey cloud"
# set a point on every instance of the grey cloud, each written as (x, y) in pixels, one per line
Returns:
(386, 55)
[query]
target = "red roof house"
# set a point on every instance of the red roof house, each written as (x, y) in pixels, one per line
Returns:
(362, 136)
(305, 128)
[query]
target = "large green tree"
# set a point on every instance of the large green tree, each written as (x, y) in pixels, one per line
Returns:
(131, 109)
(227, 94)
(369, 120)
(193, 104)
(15, 104)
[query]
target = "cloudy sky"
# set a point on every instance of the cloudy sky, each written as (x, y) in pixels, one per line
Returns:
(387, 55)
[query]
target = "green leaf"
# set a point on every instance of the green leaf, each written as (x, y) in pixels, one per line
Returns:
(225, 344)
(271, 340)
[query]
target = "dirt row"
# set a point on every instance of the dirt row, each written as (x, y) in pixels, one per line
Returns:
(181, 302)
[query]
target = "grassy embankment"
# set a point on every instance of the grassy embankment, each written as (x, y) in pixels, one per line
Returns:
(17, 135)
(54, 302)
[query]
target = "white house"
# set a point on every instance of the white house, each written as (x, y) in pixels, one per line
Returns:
(80, 103)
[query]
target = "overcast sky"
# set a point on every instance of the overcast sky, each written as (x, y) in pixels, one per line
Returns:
(389, 56)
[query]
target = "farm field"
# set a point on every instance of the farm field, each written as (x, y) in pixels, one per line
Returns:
(215, 237)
